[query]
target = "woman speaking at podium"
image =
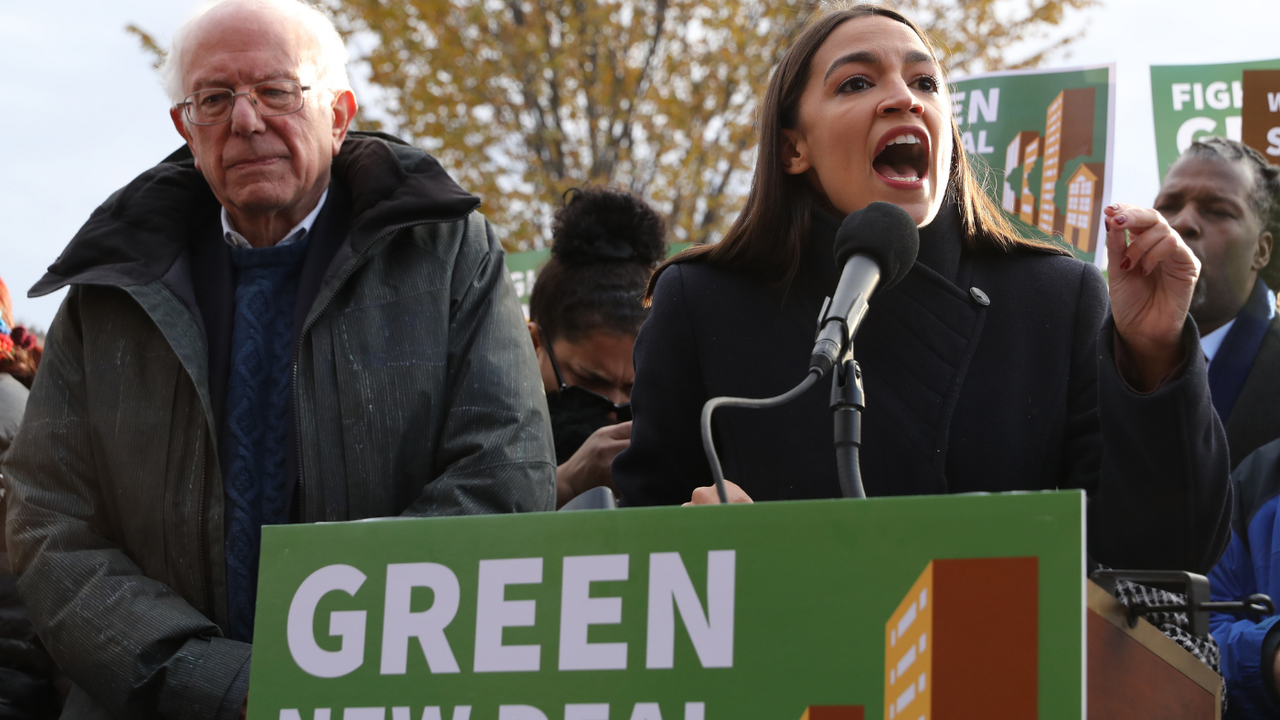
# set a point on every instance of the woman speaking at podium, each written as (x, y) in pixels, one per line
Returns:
(997, 364)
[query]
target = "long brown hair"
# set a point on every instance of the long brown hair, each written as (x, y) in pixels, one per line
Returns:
(767, 238)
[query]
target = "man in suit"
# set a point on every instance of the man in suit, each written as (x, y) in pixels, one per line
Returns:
(1224, 199)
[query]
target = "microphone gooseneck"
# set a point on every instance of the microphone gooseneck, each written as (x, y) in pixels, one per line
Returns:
(875, 247)
(709, 443)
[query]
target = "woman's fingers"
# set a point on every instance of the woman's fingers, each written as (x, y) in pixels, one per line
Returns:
(1150, 240)
(1117, 239)
(1161, 250)
(1125, 224)
(708, 495)
(621, 430)
(1136, 255)
(1131, 217)
(704, 496)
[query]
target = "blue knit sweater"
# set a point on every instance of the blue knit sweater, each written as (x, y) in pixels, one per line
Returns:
(255, 443)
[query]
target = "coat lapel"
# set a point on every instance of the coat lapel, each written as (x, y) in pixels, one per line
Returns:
(1231, 365)
(914, 350)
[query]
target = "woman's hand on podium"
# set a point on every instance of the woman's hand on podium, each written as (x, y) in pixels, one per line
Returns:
(1151, 279)
(708, 495)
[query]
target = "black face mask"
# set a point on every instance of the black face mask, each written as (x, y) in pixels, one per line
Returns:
(576, 412)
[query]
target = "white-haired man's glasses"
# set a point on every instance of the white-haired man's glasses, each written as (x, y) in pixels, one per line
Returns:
(271, 98)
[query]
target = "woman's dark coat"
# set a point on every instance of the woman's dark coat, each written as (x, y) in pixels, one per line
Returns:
(983, 372)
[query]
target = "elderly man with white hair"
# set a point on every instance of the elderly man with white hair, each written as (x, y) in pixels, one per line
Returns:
(281, 322)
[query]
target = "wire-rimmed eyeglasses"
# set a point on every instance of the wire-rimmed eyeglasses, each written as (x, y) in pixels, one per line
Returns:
(271, 98)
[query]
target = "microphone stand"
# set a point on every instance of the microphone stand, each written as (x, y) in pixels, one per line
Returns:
(846, 404)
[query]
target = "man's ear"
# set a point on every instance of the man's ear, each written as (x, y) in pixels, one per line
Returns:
(344, 112)
(1266, 245)
(175, 114)
(536, 335)
(795, 153)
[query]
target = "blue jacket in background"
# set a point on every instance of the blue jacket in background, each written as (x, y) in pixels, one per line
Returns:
(1251, 565)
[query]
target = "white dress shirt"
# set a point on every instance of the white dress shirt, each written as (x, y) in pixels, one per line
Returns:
(235, 239)
(1210, 343)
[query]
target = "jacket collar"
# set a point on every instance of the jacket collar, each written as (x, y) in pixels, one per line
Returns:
(141, 230)
(940, 244)
(1234, 359)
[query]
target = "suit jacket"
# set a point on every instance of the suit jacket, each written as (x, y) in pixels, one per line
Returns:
(983, 372)
(1245, 377)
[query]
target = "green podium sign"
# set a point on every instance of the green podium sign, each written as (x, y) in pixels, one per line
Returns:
(822, 610)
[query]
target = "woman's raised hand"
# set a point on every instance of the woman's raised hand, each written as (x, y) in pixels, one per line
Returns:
(1151, 280)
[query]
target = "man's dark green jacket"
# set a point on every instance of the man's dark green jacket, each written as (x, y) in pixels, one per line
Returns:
(416, 392)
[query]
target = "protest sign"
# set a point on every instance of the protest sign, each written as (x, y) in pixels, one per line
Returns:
(1044, 140)
(888, 607)
(1189, 101)
(1260, 112)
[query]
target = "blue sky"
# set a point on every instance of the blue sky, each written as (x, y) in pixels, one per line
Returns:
(86, 113)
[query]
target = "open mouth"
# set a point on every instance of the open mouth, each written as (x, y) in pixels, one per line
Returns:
(903, 156)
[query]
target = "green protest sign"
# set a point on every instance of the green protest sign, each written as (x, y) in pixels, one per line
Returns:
(1189, 101)
(1046, 138)
(837, 610)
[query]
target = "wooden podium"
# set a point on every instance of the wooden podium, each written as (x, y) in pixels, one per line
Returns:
(1136, 673)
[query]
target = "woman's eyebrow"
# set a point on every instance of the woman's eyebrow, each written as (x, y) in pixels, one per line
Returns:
(867, 57)
(915, 56)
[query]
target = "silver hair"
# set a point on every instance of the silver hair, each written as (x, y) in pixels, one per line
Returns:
(329, 62)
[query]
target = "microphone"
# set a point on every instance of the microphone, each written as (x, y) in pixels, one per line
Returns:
(877, 246)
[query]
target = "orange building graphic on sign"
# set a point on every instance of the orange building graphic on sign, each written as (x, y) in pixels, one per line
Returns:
(964, 642)
(1068, 134)
(1022, 153)
(1084, 204)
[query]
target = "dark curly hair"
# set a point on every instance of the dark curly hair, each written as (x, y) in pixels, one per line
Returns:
(1265, 199)
(605, 244)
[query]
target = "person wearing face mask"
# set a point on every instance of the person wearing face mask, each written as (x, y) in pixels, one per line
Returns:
(585, 310)
(996, 365)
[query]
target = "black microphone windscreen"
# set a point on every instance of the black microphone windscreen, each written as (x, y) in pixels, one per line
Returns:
(884, 232)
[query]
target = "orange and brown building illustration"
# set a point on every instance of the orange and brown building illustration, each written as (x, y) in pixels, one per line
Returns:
(1022, 154)
(964, 642)
(1084, 206)
(1068, 133)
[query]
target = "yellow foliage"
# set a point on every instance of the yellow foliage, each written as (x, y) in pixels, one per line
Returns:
(522, 100)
